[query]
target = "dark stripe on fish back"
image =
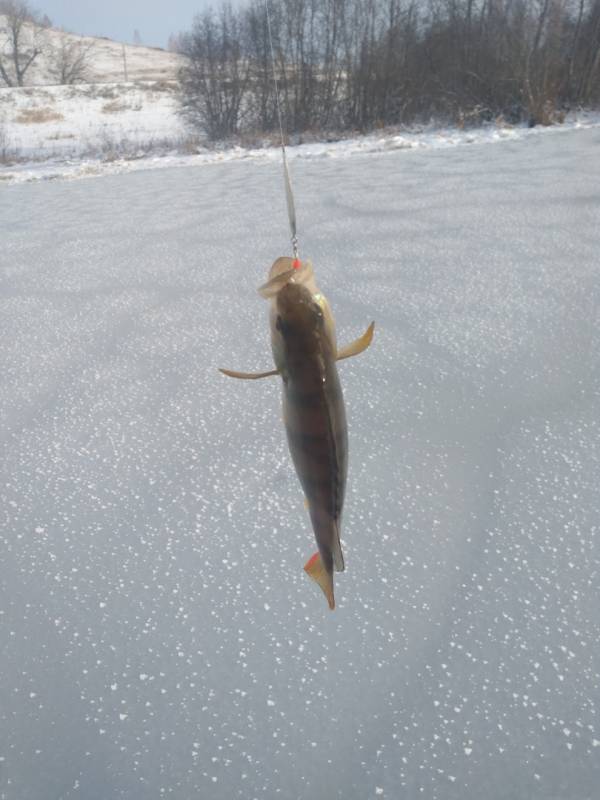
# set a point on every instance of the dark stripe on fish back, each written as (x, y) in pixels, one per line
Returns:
(310, 399)
(315, 450)
(315, 447)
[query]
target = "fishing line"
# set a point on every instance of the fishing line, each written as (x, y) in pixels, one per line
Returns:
(289, 194)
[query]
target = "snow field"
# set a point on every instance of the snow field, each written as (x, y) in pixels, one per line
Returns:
(106, 121)
(132, 128)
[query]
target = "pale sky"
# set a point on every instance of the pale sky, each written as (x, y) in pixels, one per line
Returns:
(117, 19)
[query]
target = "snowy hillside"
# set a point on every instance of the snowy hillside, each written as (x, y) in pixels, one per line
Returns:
(159, 636)
(126, 106)
(109, 61)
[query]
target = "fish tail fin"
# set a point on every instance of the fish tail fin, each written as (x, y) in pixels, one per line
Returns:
(315, 570)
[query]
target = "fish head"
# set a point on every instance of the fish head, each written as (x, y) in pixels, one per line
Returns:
(295, 299)
(287, 271)
(294, 294)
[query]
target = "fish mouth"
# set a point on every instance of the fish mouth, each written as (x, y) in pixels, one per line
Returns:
(272, 287)
(282, 273)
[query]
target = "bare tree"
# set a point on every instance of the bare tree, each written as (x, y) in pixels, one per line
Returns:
(215, 77)
(70, 59)
(261, 95)
(589, 70)
(176, 42)
(22, 40)
(572, 51)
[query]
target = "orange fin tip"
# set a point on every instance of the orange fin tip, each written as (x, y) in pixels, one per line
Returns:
(316, 571)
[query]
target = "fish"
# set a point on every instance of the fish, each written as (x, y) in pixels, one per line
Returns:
(305, 352)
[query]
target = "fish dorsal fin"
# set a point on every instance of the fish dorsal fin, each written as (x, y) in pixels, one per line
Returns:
(248, 376)
(358, 345)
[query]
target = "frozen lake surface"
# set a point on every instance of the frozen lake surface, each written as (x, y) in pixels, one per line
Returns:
(159, 637)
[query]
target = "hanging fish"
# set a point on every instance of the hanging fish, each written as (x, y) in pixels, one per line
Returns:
(304, 350)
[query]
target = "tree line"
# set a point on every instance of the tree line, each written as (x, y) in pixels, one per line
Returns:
(360, 64)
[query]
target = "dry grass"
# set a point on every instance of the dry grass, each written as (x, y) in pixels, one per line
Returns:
(106, 92)
(29, 116)
(116, 106)
(191, 145)
(35, 91)
(163, 86)
(256, 140)
(545, 112)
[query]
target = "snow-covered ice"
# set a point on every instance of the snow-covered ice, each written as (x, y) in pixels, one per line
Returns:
(159, 637)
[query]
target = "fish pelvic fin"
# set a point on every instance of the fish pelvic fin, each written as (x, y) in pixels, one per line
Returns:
(315, 570)
(248, 376)
(358, 345)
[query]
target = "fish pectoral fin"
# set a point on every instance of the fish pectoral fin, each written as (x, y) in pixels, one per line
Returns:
(357, 346)
(315, 570)
(248, 376)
